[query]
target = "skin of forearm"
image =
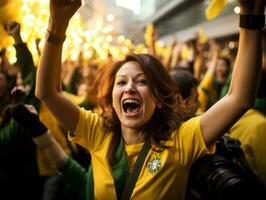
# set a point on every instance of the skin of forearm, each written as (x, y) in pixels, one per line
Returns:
(48, 74)
(54, 151)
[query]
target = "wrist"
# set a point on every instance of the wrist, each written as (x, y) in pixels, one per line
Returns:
(252, 21)
(56, 32)
(43, 141)
(54, 39)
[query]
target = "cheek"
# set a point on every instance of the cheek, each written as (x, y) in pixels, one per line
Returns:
(116, 99)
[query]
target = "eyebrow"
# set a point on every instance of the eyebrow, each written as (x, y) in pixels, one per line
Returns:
(125, 75)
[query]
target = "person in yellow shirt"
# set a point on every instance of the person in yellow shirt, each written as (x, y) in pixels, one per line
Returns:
(215, 77)
(140, 111)
(250, 130)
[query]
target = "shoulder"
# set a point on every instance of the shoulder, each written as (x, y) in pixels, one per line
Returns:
(188, 132)
(190, 126)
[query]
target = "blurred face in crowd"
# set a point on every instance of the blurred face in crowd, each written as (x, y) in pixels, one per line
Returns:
(132, 99)
(222, 67)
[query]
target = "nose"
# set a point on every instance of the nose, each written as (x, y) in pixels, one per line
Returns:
(130, 88)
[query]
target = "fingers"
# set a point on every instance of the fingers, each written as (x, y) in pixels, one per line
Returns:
(12, 27)
(63, 10)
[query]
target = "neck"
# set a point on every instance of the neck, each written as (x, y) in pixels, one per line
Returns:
(132, 136)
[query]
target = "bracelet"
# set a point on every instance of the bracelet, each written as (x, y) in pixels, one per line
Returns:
(54, 39)
(252, 21)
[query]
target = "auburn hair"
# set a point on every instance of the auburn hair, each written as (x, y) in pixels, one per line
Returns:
(166, 117)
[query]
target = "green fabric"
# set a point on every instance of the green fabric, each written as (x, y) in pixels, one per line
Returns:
(17, 151)
(120, 168)
(260, 105)
(76, 179)
(87, 105)
(28, 71)
(81, 182)
(218, 87)
(24, 59)
(226, 86)
(90, 186)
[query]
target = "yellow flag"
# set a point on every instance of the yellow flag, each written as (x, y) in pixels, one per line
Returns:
(148, 34)
(215, 8)
(202, 36)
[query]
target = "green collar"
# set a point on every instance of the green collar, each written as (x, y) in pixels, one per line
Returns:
(120, 169)
(120, 172)
(260, 105)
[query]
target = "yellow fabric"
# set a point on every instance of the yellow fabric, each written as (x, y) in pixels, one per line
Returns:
(250, 129)
(132, 154)
(170, 178)
(46, 167)
(215, 8)
(207, 93)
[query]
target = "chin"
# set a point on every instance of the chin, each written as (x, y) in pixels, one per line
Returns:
(133, 125)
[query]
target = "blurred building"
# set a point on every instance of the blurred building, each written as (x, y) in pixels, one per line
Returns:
(181, 18)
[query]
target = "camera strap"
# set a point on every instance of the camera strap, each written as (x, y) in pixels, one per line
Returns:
(123, 180)
(133, 177)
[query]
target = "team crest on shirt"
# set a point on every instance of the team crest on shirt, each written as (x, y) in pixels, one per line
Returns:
(155, 163)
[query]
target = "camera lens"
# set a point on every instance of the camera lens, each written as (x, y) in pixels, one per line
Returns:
(217, 179)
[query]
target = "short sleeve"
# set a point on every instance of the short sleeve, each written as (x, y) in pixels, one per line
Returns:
(191, 141)
(88, 132)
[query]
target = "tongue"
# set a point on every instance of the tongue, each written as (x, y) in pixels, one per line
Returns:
(132, 110)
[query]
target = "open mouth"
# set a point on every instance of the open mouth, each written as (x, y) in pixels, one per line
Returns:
(131, 106)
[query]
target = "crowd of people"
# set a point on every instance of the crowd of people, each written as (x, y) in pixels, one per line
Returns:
(131, 128)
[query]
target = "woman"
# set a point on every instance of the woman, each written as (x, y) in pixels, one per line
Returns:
(139, 104)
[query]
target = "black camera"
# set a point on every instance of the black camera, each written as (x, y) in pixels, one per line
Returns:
(224, 175)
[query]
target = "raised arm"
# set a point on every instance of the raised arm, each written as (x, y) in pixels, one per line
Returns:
(48, 82)
(24, 57)
(240, 97)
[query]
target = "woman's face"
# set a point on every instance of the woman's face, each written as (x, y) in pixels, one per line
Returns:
(132, 99)
(221, 68)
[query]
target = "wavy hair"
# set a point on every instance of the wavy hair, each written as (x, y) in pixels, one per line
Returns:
(165, 119)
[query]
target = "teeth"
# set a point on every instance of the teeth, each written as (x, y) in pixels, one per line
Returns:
(131, 101)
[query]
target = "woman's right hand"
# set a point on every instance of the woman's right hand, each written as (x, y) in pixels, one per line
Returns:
(61, 12)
